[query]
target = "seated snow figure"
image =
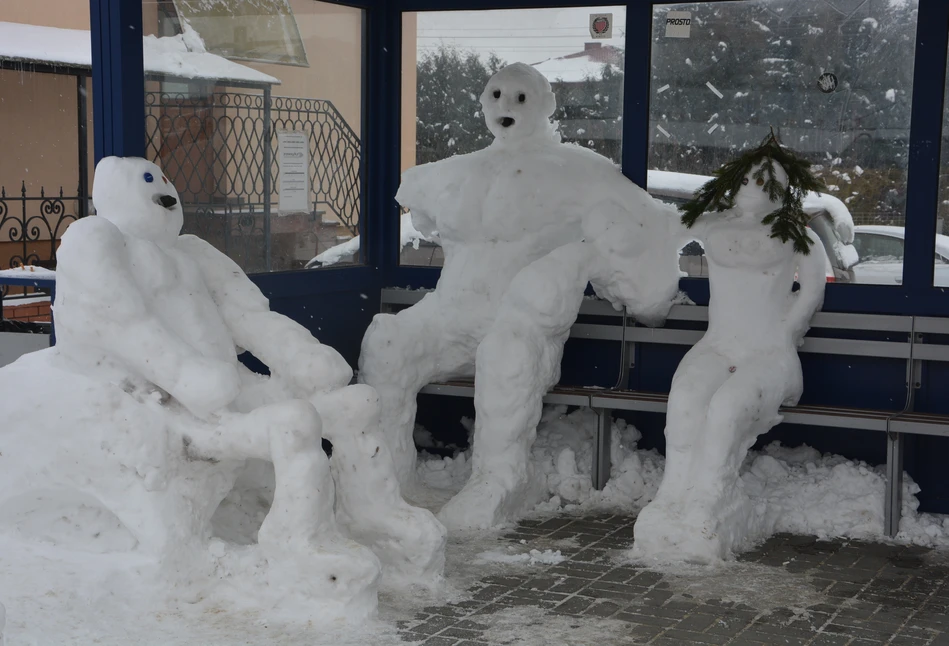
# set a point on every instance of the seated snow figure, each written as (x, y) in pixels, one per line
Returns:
(495, 212)
(629, 256)
(153, 417)
(729, 387)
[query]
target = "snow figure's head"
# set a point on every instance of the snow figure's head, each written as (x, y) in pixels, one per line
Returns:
(134, 195)
(517, 104)
(752, 198)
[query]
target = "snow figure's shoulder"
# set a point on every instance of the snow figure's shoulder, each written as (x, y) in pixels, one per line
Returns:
(89, 234)
(423, 183)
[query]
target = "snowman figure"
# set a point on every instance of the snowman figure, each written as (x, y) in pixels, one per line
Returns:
(729, 387)
(495, 212)
(628, 254)
(155, 417)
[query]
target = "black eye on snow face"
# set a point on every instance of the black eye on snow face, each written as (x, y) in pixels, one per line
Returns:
(521, 97)
(497, 94)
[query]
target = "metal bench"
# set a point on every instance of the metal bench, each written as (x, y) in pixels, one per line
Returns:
(913, 340)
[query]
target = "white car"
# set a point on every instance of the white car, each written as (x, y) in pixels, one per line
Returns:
(880, 249)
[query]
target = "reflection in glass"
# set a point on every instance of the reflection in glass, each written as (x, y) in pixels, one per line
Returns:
(266, 157)
(448, 57)
(833, 79)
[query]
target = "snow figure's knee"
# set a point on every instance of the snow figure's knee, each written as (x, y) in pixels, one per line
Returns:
(296, 423)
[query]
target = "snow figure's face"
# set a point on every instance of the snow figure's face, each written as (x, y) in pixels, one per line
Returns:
(517, 104)
(752, 198)
(134, 195)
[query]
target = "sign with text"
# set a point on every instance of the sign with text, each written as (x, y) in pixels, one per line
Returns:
(293, 159)
(678, 24)
(601, 25)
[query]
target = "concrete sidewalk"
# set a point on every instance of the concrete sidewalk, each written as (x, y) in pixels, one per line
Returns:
(791, 590)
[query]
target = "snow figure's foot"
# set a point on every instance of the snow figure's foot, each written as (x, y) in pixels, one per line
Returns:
(338, 573)
(299, 536)
(408, 540)
(702, 529)
(489, 500)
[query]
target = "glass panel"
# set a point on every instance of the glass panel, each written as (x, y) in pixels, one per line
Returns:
(448, 57)
(265, 157)
(834, 78)
(46, 144)
(941, 269)
(252, 30)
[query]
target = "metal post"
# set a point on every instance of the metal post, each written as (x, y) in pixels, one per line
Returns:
(893, 501)
(83, 116)
(268, 152)
(601, 448)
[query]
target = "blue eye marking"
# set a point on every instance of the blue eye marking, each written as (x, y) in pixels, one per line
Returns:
(149, 178)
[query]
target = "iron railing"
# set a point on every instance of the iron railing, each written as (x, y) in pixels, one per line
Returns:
(217, 149)
(30, 226)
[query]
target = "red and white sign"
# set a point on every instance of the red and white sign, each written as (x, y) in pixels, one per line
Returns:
(601, 25)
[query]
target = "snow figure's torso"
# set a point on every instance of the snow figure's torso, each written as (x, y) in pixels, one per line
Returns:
(176, 293)
(751, 276)
(499, 209)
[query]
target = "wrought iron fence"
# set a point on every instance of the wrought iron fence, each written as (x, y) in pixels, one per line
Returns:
(30, 226)
(217, 149)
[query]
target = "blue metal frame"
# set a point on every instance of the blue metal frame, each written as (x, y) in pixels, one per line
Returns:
(118, 88)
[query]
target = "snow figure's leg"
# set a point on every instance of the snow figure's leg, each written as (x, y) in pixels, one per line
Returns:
(701, 373)
(715, 517)
(518, 361)
(299, 534)
(409, 540)
(661, 524)
(400, 354)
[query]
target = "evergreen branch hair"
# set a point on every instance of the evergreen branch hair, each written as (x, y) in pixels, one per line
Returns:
(788, 222)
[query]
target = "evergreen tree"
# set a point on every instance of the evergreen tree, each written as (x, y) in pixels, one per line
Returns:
(448, 111)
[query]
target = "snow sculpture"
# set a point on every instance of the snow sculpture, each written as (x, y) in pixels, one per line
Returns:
(154, 417)
(495, 212)
(729, 387)
(629, 256)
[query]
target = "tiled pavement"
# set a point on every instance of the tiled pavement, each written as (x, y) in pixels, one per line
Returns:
(791, 590)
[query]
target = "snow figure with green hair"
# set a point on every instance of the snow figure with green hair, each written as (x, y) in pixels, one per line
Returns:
(765, 286)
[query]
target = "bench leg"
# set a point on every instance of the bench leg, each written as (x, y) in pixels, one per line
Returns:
(893, 502)
(601, 448)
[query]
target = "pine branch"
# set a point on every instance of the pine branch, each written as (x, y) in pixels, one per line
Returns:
(789, 221)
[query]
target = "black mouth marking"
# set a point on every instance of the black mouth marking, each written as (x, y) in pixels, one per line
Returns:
(507, 122)
(166, 201)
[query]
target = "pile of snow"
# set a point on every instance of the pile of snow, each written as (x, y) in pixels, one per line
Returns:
(533, 557)
(795, 490)
(31, 272)
(183, 56)
(408, 235)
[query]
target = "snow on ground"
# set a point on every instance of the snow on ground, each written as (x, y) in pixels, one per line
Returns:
(797, 490)
(58, 594)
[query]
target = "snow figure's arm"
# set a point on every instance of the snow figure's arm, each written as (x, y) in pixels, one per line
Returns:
(99, 305)
(811, 276)
(638, 262)
(285, 346)
(419, 190)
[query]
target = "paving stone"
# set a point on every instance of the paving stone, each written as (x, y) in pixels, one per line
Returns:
(440, 641)
(573, 606)
(434, 625)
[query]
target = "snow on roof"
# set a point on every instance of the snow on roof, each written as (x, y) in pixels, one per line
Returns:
(168, 56)
(577, 67)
